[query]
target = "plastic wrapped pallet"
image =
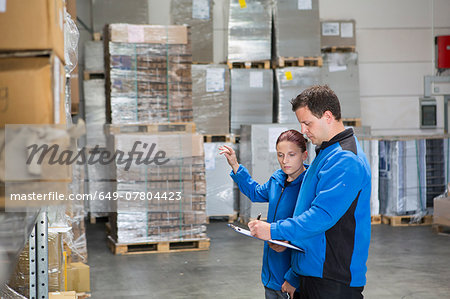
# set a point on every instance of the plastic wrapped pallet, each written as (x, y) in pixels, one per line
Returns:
(437, 156)
(250, 30)
(297, 28)
(370, 148)
(148, 77)
(258, 154)
(198, 15)
(290, 82)
(163, 214)
(94, 60)
(341, 72)
(100, 182)
(211, 98)
(219, 185)
(251, 97)
(337, 33)
(95, 103)
(402, 177)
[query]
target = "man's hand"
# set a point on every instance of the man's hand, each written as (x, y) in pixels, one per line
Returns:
(287, 288)
(260, 229)
(278, 248)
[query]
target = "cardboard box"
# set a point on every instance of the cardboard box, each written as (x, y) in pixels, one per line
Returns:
(71, 6)
(32, 90)
(33, 25)
(441, 213)
(339, 33)
(62, 295)
(78, 277)
(148, 34)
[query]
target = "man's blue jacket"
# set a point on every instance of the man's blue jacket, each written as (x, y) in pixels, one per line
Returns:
(331, 220)
(282, 200)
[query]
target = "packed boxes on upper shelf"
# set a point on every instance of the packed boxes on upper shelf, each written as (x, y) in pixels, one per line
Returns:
(412, 172)
(257, 151)
(148, 74)
(340, 72)
(211, 98)
(163, 201)
(219, 185)
(290, 82)
(43, 101)
(338, 35)
(251, 97)
(33, 25)
(198, 15)
(249, 30)
(297, 28)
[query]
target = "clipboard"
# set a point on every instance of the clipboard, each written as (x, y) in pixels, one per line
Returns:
(247, 233)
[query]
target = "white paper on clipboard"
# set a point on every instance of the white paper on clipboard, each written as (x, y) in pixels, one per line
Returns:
(247, 233)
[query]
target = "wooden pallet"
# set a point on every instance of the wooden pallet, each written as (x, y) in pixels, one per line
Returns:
(230, 218)
(375, 219)
(165, 128)
(89, 75)
(441, 229)
(260, 64)
(158, 247)
(221, 138)
(83, 295)
(406, 220)
(201, 62)
(353, 122)
(299, 61)
(336, 49)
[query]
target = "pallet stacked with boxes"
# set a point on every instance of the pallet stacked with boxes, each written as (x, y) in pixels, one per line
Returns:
(412, 171)
(340, 66)
(149, 102)
(38, 50)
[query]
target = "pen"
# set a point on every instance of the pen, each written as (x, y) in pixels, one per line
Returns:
(259, 216)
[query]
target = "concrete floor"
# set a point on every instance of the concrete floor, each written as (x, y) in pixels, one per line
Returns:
(404, 262)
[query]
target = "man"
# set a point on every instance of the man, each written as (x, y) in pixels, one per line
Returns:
(331, 219)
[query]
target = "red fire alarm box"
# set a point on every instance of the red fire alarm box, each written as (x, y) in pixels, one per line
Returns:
(443, 51)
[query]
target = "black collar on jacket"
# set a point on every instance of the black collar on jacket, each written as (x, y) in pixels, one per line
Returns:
(337, 138)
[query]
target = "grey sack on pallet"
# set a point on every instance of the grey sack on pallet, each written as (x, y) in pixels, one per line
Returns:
(297, 28)
(211, 98)
(291, 81)
(251, 97)
(402, 178)
(198, 15)
(250, 30)
(341, 72)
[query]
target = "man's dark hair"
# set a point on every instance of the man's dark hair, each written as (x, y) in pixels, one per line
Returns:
(318, 99)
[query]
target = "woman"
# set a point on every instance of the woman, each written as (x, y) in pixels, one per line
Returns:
(281, 192)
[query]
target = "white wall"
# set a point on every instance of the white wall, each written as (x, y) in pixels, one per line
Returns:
(395, 42)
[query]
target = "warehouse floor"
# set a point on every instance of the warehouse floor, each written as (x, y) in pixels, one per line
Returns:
(404, 262)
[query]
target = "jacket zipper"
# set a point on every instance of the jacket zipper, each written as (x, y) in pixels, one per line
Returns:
(274, 217)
